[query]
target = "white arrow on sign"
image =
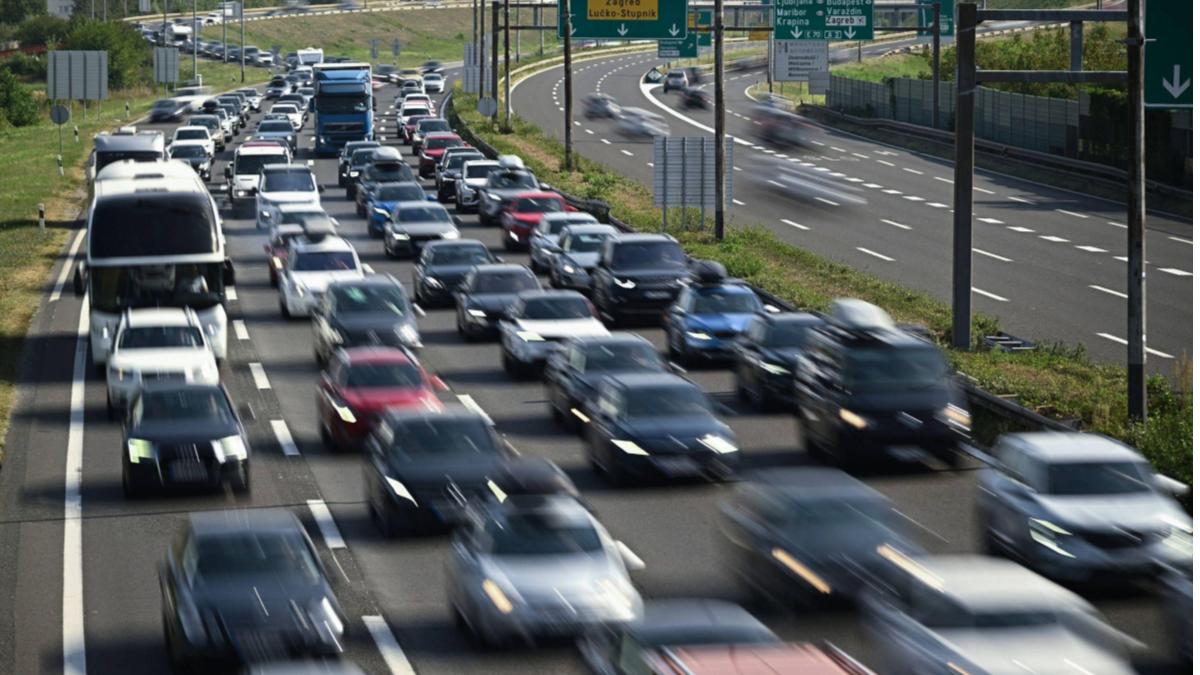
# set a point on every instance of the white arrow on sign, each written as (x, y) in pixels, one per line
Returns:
(622, 30)
(1176, 88)
(849, 33)
(674, 30)
(796, 32)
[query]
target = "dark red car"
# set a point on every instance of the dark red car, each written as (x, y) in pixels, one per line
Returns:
(277, 248)
(361, 382)
(432, 149)
(406, 130)
(524, 212)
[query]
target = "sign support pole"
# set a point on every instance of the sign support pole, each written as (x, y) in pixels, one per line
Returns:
(719, 112)
(242, 51)
(481, 58)
(1135, 333)
(495, 54)
(507, 70)
(964, 170)
(195, 45)
(937, 63)
(224, 37)
(568, 95)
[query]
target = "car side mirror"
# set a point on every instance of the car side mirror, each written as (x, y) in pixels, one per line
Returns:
(252, 191)
(227, 273)
(499, 258)
(544, 186)
(1170, 485)
(334, 222)
(632, 562)
(431, 198)
(771, 309)
(229, 172)
(320, 188)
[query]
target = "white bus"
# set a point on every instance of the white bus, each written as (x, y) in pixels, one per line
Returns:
(153, 240)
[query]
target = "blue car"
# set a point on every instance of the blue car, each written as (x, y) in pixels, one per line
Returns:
(381, 200)
(708, 315)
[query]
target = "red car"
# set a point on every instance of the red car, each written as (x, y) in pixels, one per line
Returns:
(432, 149)
(406, 129)
(524, 212)
(361, 383)
(277, 248)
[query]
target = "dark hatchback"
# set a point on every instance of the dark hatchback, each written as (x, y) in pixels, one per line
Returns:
(186, 436)
(573, 372)
(765, 354)
(246, 587)
(638, 274)
(344, 158)
(485, 293)
(442, 267)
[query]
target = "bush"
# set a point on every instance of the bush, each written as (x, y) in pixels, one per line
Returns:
(16, 101)
(15, 11)
(43, 30)
(128, 53)
(26, 67)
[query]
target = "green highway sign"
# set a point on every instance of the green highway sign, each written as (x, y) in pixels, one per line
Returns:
(946, 24)
(825, 19)
(625, 19)
(701, 19)
(679, 49)
(1168, 54)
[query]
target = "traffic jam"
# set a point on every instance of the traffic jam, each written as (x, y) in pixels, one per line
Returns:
(622, 333)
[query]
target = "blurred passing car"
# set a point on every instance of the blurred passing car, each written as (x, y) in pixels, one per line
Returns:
(575, 253)
(384, 165)
(412, 225)
(450, 169)
(169, 110)
(972, 614)
(371, 311)
(535, 324)
(433, 146)
(537, 566)
(474, 176)
(676, 79)
(573, 372)
(1082, 507)
(656, 425)
(503, 184)
(360, 383)
(279, 241)
(312, 264)
(543, 238)
(484, 295)
(425, 126)
(765, 354)
(443, 265)
(435, 83)
(779, 127)
(808, 535)
(600, 106)
(641, 123)
(695, 98)
(243, 587)
(356, 163)
(708, 315)
(792, 658)
(186, 435)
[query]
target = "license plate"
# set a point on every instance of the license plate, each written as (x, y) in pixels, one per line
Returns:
(677, 466)
(658, 295)
(907, 453)
(187, 471)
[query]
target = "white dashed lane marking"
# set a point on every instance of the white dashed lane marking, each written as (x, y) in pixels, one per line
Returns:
(1092, 249)
(324, 519)
(1175, 272)
(259, 375)
(794, 224)
(284, 438)
(885, 162)
(739, 202)
(1053, 238)
(827, 201)
(626, 152)
(1114, 338)
(919, 173)
(1020, 200)
(1073, 214)
(895, 224)
(991, 221)
(993, 296)
(944, 180)
(1108, 290)
(393, 657)
(239, 329)
(875, 254)
(991, 255)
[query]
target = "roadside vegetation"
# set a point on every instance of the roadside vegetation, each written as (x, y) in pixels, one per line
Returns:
(1055, 380)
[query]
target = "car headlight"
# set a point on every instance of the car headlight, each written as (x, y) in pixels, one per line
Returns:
(400, 236)
(957, 416)
(492, 590)
(699, 335)
(625, 283)
(354, 174)
(772, 368)
(1179, 538)
(853, 419)
(240, 193)
(452, 234)
(323, 614)
(530, 336)
(230, 447)
(630, 448)
(432, 282)
(568, 268)
(265, 214)
(408, 334)
(382, 213)
(1049, 535)
(139, 449)
(400, 491)
(718, 444)
(477, 313)
(492, 197)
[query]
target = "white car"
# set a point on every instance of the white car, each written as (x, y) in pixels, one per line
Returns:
(157, 344)
(195, 133)
(284, 184)
(537, 321)
(474, 176)
(314, 262)
(412, 110)
(293, 111)
(417, 99)
(435, 83)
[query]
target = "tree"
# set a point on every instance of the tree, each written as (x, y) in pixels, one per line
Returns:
(128, 53)
(16, 11)
(16, 101)
(43, 30)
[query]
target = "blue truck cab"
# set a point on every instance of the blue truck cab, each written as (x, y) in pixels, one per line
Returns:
(342, 105)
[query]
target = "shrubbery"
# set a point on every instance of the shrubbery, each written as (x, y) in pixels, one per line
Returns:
(17, 106)
(128, 54)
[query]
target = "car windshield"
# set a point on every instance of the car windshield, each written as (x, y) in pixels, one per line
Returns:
(455, 160)
(441, 437)
(947, 616)
(160, 337)
(422, 214)
(883, 368)
(586, 242)
(649, 255)
(389, 171)
(370, 299)
(274, 126)
(185, 404)
(400, 193)
(537, 534)
(442, 143)
(269, 554)
(384, 375)
(107, 157)
(508, 180)
(1097, 478)
(506, 282)
(342, 105)
(666, 402)
(809, 518)
(433, 124)
(633, 357)
(479, 170)
(361, 157)
(288, 181)
(409, 111)
(788, 334)
(538, 205)
(460, 255)
(112, 289)
(725, 302)
(188, 151)
(244, 165)
(542, 309)
(191, 135)
(324, 261)
(166, 104)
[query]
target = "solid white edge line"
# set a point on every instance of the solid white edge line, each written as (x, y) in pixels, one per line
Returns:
(877, 255)
(74, 653)
(69, 263)
(991, 255)
(919, 173)
(325, 523)
(397, 663)
(1110, 291)
(1019, 200)
(283, 436)
(993, 296)
(239, 329)
(885, 162)
(470, 404)
(260, 375)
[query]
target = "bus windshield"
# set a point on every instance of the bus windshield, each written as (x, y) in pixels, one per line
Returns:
(197, 285)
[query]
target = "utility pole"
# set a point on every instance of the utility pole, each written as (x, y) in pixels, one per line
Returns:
(242, 51)
(719, 114)
(482, 58)
(1135, 332)
(537, 19)
(474, 36)
(519, 24)
(195, 45)
(964, 170)
(224, 36)
(568, 103)
(937, 63)
(495, 54)
(507, 71)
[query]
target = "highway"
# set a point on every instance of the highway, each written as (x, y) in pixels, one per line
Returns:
(1049, 263)
(81, 589)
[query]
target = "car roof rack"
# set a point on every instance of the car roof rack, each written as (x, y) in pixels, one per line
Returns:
(317, 229)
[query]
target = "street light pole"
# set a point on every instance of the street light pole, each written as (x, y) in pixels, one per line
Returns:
(242, 51)
(568, 90)
(719, 115)
(495, 53)
(1135, 331)
(507, 71)
(195, 45)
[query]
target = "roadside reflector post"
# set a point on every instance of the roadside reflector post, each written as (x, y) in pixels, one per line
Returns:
(42, 217)
(77, 133)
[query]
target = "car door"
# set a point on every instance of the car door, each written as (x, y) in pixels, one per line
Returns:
(676, 314)
(1015, 497)
(747, 351)
(825, 394)
(603, 416)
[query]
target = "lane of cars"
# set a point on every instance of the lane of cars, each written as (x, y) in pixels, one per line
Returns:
(528, 560)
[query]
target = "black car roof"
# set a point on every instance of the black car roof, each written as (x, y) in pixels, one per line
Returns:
(656, 380)
(369, 280)
(246, 520)
(452, 413)
(811, 484)
(502, 268)
(661, 618)
(450, 243)
(549, 294)
(807, 318)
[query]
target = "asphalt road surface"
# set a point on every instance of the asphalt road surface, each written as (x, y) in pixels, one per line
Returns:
(80, 593)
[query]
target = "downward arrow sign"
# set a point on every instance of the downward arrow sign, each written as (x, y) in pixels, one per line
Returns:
(1176, 88)
(796, 32)
(674, 30)
(622, 30)
(849, 33)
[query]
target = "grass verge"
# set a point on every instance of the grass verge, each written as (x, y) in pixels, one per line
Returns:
(28, 177)
(1055, 380)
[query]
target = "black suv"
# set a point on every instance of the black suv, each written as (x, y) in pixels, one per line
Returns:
(638, 274)
(866, 389)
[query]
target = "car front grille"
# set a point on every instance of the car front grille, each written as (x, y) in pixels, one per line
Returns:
(1114, 539)
(164, 376)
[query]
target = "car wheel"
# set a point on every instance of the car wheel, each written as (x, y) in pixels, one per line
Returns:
(327, 438)
(988, 542)
(109, 409)
(757, 397)
(283, 309)
(241, 484)
(131, 489)
(804, 440)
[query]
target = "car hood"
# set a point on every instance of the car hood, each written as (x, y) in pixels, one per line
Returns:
(377, 398)
(587, 261)
(891, 401)
(717, 323)
(184, 431)
(447, 271)
(167, 359)
(564, 328)
(651, 274)
(684, 428)
(1044, 650)
(491, 302)
(785, 356)
(377, 322)
(289, 197)
(472, 473)
(474, 182)
(319, 281)
(574, 577)
(507, 193)
(1141, 512)
(259, 601)
(432, 227)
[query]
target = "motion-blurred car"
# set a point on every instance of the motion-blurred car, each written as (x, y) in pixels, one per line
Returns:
(216, 131)
(576, 253)
(485, 294)
(600, 106)
(278, 86)
(573, 372)
(435, 83)
(183, 435)
(676, 79)
(433, 145)
(362, 382)
(718, 659)
(524, 211)
(346, 153)
(279, 240)
(535, 324)
(443, 265)
(197, 134)
(808, 535)
(869, 392)
(543, 238)
(411, 86)
(1080, 507)
(292, 109)
(313, 263)
(638, 275)
(431, 66)
(1175, 593)
(356, 164)
(536, 566)
(280, 184)
(422, 468)
(474, 176)
(153, 344)
(381, 200)
(777, 126)
(449, 170)
(243, 587)
(656, 425)
(169, 110)
(412, 225)
(371, 311)
(974, 614)
(709, 315)
(765, 355)
(641, 123)
(195, 153)
(695, 98)
(253, 97)
(508, 180)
